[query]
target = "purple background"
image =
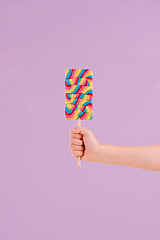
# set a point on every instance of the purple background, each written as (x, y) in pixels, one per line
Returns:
(42, 193)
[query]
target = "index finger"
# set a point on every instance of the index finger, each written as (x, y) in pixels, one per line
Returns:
(77, 135)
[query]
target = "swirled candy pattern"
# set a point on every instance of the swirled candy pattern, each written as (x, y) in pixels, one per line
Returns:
(78, 94)
(79, 81)
(82, 73)
(88, 96)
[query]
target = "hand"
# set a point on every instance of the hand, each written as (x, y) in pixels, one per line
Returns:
(84, 144)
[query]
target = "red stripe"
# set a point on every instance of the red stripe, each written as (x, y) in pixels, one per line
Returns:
(85, 83)
(82, 108)
(77, 101)
(80, 88)
(67, 96)
(83, 115)
(76, 80)
(90, 104)
(66, 85)
(69, 114)
(72, 73)
(85, 72)
(74, 107)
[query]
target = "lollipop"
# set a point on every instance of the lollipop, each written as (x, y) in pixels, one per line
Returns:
(78, 95)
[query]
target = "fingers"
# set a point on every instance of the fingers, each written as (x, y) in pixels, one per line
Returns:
(77, 135)
(79, 130)
(75, 131)
(77, 153)
(77, 144)
(76, 141)
(76, 148)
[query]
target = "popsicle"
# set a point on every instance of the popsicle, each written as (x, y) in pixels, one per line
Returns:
(78, 95)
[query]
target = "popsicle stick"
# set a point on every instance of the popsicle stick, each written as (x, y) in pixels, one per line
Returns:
(79, 158)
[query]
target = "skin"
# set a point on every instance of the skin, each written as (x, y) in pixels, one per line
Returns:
(85, 145)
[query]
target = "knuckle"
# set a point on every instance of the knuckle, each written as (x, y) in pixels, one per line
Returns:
(70, 146)
(80, 153)
(73, 153)
(79, 136)
(82, 148)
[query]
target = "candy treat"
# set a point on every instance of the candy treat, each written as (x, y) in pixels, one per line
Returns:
(78, 95)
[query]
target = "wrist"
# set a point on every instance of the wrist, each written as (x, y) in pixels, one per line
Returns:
(104, 153)
(97, 152)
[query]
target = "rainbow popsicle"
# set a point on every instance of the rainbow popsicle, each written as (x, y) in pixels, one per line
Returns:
(78, 95)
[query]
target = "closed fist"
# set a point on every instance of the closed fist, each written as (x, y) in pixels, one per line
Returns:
(84, 144)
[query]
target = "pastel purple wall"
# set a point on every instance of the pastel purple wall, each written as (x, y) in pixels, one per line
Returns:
(42, 193)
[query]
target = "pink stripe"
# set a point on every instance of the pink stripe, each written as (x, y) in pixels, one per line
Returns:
(83, 116)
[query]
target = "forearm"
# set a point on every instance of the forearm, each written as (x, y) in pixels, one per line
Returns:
(144, 157)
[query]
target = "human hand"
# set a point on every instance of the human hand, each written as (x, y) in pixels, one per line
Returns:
(84, 144)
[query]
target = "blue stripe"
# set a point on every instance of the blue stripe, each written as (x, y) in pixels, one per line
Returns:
(69, 73)
(82, 72)
(77, 87)
(68, 110)
(80, 113)
(90, 76)
(67, 81)
(86, 103)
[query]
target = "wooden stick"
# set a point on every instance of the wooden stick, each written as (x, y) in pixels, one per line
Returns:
(79, 158)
